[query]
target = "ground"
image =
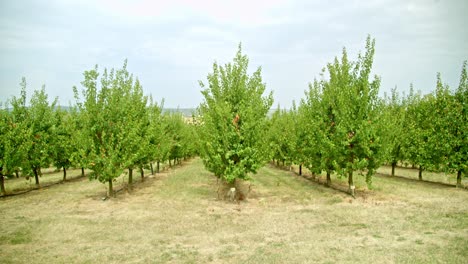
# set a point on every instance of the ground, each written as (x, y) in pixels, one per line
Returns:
(175, 217)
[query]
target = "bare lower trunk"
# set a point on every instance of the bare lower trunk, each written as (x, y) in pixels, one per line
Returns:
(17, 173)
(459, 174)
(130, 177)
(36, 177)
(170, 163)
(2, 182)
(328, 184)
(157, 166)
(420, 173)
(82, 172)
(351, 183)
(142, 173)
(64, 174)
(110, 192)
(151, 167)
(393, 168)
(300, 169)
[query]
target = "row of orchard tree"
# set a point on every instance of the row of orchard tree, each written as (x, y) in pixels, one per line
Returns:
(113, 127)
(343, 127)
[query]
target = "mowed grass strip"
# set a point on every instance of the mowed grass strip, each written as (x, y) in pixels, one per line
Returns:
(175, 217)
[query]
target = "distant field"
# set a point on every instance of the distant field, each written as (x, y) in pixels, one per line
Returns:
(175, 217)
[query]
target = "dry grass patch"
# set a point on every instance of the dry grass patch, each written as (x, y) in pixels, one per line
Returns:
(175, 217)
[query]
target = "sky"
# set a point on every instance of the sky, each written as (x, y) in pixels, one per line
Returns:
(171, 45)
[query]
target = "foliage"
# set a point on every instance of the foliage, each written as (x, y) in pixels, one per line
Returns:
(419, 140)
(159, 141)
(450, 111)
(62, 146)
(110, 122)
(394, 114)
(342, 118)
(282, 136)
(319, 124)
(40, 122)
(15, 134)
(233, 135)
(182, 137)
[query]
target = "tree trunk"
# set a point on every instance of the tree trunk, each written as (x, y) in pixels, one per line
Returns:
(2, 182)
(393, 168)
(459, 174)
(170, 163)
(151, 166)
(110, 192)
(142, 173)
(36, 177)
(328, 179)
(351, 183)
(82, 172)
(157, 166)
(420, 173)
(17, 173)
(413, 166)
(300, 169)
(64, 174)
(130, 176)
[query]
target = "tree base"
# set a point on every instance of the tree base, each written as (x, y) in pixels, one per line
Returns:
(237, 191)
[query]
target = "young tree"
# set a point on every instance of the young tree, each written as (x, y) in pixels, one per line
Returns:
(394, 116)
(233, 135)
(356, 114)
(282, 136)
(107, 118)
(80, 140)
(136, 138)
(321, 146)
(451, 123)
(174, 130)
(300, 137)
(63, 146)
(160, 143)
(458, 154)
(420, 140)
(41, 122)
(16, 138)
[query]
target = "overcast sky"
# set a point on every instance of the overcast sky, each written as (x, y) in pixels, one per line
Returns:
(171, 45)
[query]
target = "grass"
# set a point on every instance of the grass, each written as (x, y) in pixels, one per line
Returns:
(174, 217)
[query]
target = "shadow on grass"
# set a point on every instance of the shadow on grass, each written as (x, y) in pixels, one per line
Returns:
(417, 181)
(44, 186)
(138, 183)
(316, 180)
(81, 177)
